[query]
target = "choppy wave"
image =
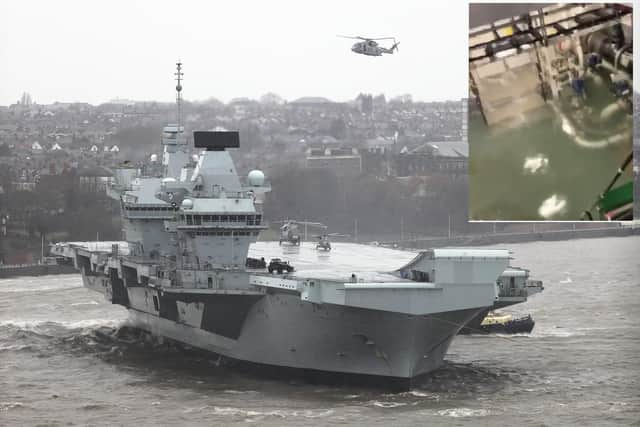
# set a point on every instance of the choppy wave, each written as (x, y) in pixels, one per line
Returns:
(540, 332)
(7, 406)
(15, 347)
(102, 336)
(76, 304)
(278, 413)
(38, 325)
(463, 412)
(484, 378)
(39, 284)
(386, 405)
(476, 378)
(239, 391)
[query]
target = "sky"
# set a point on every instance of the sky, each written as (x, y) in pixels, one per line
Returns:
(86, 51)
(67, 50)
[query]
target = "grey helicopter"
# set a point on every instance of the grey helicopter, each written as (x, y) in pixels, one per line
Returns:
(323, 243)
(290, 230)
(370, 46)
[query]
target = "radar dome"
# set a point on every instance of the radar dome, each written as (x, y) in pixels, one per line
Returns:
(256, 178)
(154, 158)
(187, 204)
(195, 158)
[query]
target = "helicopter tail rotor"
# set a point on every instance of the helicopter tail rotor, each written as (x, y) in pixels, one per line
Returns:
(395, 47)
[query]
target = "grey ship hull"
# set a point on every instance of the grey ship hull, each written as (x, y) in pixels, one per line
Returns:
(278, 329)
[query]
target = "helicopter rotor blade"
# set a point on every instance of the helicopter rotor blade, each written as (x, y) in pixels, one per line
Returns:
(353, 37)
(312, 224)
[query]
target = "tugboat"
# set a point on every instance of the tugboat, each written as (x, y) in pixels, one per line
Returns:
(502, 323)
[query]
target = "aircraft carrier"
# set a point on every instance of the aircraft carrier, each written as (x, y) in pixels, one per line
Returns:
(188, 226)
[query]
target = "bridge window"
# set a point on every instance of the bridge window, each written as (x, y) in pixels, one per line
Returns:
(233, 218)
(258, 219)
(215, 218)
(189, 220)
(197, 220)
(224, 218)
(227, 233)
(242, 218)
(206, 218)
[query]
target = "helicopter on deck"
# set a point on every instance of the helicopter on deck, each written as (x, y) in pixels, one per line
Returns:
(290, 230)
(324, 243)
(370, 46)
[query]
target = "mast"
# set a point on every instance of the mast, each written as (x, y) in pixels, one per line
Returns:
(175, 153)
(179, 75)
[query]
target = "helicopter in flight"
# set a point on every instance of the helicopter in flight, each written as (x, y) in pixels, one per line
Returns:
(290, 230)
(370, 46)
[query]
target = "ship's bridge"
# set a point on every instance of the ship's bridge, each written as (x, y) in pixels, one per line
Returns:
(219, 220)
(219, 217)
(149, 211)
(217, 231)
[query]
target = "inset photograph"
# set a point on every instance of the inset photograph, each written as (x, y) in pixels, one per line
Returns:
(550, 112)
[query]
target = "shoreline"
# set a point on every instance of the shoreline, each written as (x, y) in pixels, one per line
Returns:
(491, 239)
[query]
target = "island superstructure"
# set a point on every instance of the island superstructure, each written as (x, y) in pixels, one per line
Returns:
(180, 272)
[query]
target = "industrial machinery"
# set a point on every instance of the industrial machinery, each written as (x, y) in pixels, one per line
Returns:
(518, 64)
(574, 61)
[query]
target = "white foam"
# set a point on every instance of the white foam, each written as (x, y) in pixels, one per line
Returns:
(609, 111)
(240, 391)
(535, 164)
(463, 412)
(553, 206)
(555, 332)
(78, 324)
(76, 304)
(39, 285)
(5, 406)
(387, 404)
(248, 413)
(567, 127)
(416, 393)
(14, 347)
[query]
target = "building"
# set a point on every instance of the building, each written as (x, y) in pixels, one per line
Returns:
(343, 161)
(95, 179)
(431, 157)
